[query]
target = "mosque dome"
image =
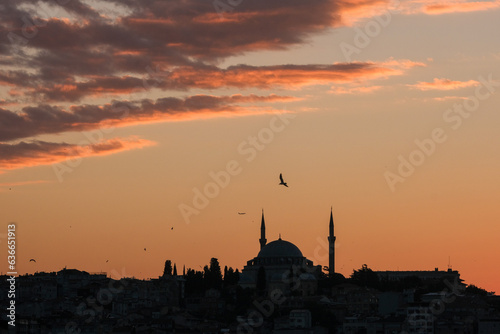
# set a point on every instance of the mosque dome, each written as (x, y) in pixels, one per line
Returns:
(279, 249)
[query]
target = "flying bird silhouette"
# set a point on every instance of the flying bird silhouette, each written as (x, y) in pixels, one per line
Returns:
(32, 260)
(242, 213)
(171, 228)
(282, 182)
(144, 249)
(107, 261)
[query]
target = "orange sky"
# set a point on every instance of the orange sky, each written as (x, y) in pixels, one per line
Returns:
(114, 119)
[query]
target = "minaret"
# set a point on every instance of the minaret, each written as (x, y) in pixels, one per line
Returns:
(263, 239)
(331, 243)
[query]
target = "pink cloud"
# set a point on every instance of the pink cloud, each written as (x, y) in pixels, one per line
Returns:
(209, 77)
(35, 153)
(443, 84)
(147, 45)
(433, 7)
(47, 119)
(339, 90)
(460, 7)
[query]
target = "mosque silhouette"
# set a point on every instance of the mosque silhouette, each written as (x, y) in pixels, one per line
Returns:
(281, 261)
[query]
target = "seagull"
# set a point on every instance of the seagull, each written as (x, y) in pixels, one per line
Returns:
(282, 182)
(242, 213)
(32, 260)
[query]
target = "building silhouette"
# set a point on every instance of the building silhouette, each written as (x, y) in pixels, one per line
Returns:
(263, 239)
(331, 246)
(381, 302)
(280, 262)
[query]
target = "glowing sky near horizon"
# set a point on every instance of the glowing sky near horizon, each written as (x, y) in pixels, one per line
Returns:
(115, 116)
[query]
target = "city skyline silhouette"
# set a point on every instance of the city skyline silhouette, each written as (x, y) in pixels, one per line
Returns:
(135, 132)
(279, 290)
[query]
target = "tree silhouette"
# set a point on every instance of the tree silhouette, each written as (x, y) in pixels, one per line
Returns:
(474, 290)
(175, 270)
(167, 271)
(213, 275)
(365, 277)
(231, 277)
(215, 268)
(194, 282)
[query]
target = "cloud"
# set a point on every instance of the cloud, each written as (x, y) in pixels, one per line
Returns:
(443, 84)
(168, 30)
(354, 90)
(288, 76)
(205, 77)
(460, 7)
(4, 102)
(47, 119)
(352, 11)
(53, 55)
(87, 54)
(35, 153)
(448, 98)
(433, 7)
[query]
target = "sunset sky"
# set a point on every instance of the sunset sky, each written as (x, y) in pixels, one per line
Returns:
(127, 125)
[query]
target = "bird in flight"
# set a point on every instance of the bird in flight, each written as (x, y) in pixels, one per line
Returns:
(32, 260)
(282, 182)
(107, 261)
(144, 249)
(242, 213)
(171, 228)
